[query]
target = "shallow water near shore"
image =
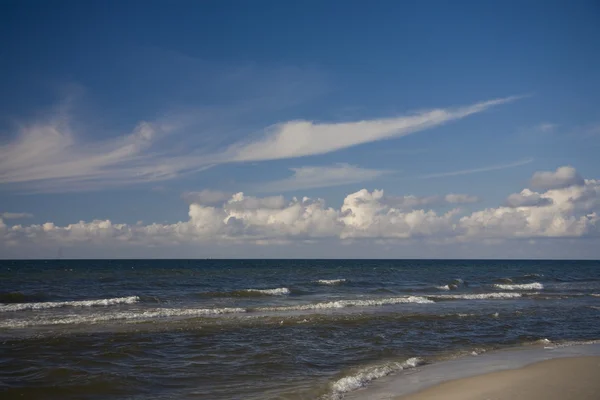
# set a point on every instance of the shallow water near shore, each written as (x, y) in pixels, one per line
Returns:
(276, 329)
(393, 386)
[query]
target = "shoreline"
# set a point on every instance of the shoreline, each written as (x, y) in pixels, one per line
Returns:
(554, 379)
(423, 379)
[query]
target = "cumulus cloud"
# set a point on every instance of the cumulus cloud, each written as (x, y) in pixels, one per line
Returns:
(364, 214)
(527, 198)
(13, 215)
(411, 202)
(561, 178)
(323, 176)
(570, 211)
(454, 198)
(566, 212)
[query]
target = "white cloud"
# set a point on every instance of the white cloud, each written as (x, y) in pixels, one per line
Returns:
(412, 202)
(567, 212)
(546, 127)
(477, 170)
(364, 214)
(454, 198)
(561, 178)
(243, 203)
(571, 211)
(13, 215)
(49, 152)
(323, 176)
(305, 138)
(527, 198)
(50, 156)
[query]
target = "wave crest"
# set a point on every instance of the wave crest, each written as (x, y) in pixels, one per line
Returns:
(77, 303)
(248, 293)
(350, 303)
(522, 286)
(364, 376)
(120, 316)
(330, 281)
(477, 296)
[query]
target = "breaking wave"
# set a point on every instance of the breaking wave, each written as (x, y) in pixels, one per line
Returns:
(248, 293)
(366, 375)
(452, 285)
(477, 296)
(330, 281)
(553, 345)
(523, 286)
(349, 303)
(77, 303)
(269, 292)
(124, 315)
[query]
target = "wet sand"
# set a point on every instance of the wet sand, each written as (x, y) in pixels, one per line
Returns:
(562, 378)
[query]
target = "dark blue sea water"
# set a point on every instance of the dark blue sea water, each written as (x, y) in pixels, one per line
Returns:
(270, 329)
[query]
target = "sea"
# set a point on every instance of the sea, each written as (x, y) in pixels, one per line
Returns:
(273, 329)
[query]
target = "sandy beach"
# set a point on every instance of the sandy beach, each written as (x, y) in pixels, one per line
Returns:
(563, 378)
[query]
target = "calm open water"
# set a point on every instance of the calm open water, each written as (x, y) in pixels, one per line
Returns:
(270, 329)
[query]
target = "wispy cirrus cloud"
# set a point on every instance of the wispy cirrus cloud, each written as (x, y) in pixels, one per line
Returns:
(546, 127)
(13, 215)
(305, 138)
(477, 170)
(51, 156)
(311, 177)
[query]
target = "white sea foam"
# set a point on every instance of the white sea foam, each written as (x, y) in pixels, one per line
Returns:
(477, 296)
(350, 303)
(571, 343)
(78, 303)
(119, 316)
(270, 292)
(523, 286)
(330, 281)
(443, 287)
(364, 376)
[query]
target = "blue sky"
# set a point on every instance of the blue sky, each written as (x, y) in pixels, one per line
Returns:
(132, 112)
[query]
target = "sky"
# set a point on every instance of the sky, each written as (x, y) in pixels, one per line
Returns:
(315, 129)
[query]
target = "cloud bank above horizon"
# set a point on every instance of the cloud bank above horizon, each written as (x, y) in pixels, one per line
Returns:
(567, 208)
